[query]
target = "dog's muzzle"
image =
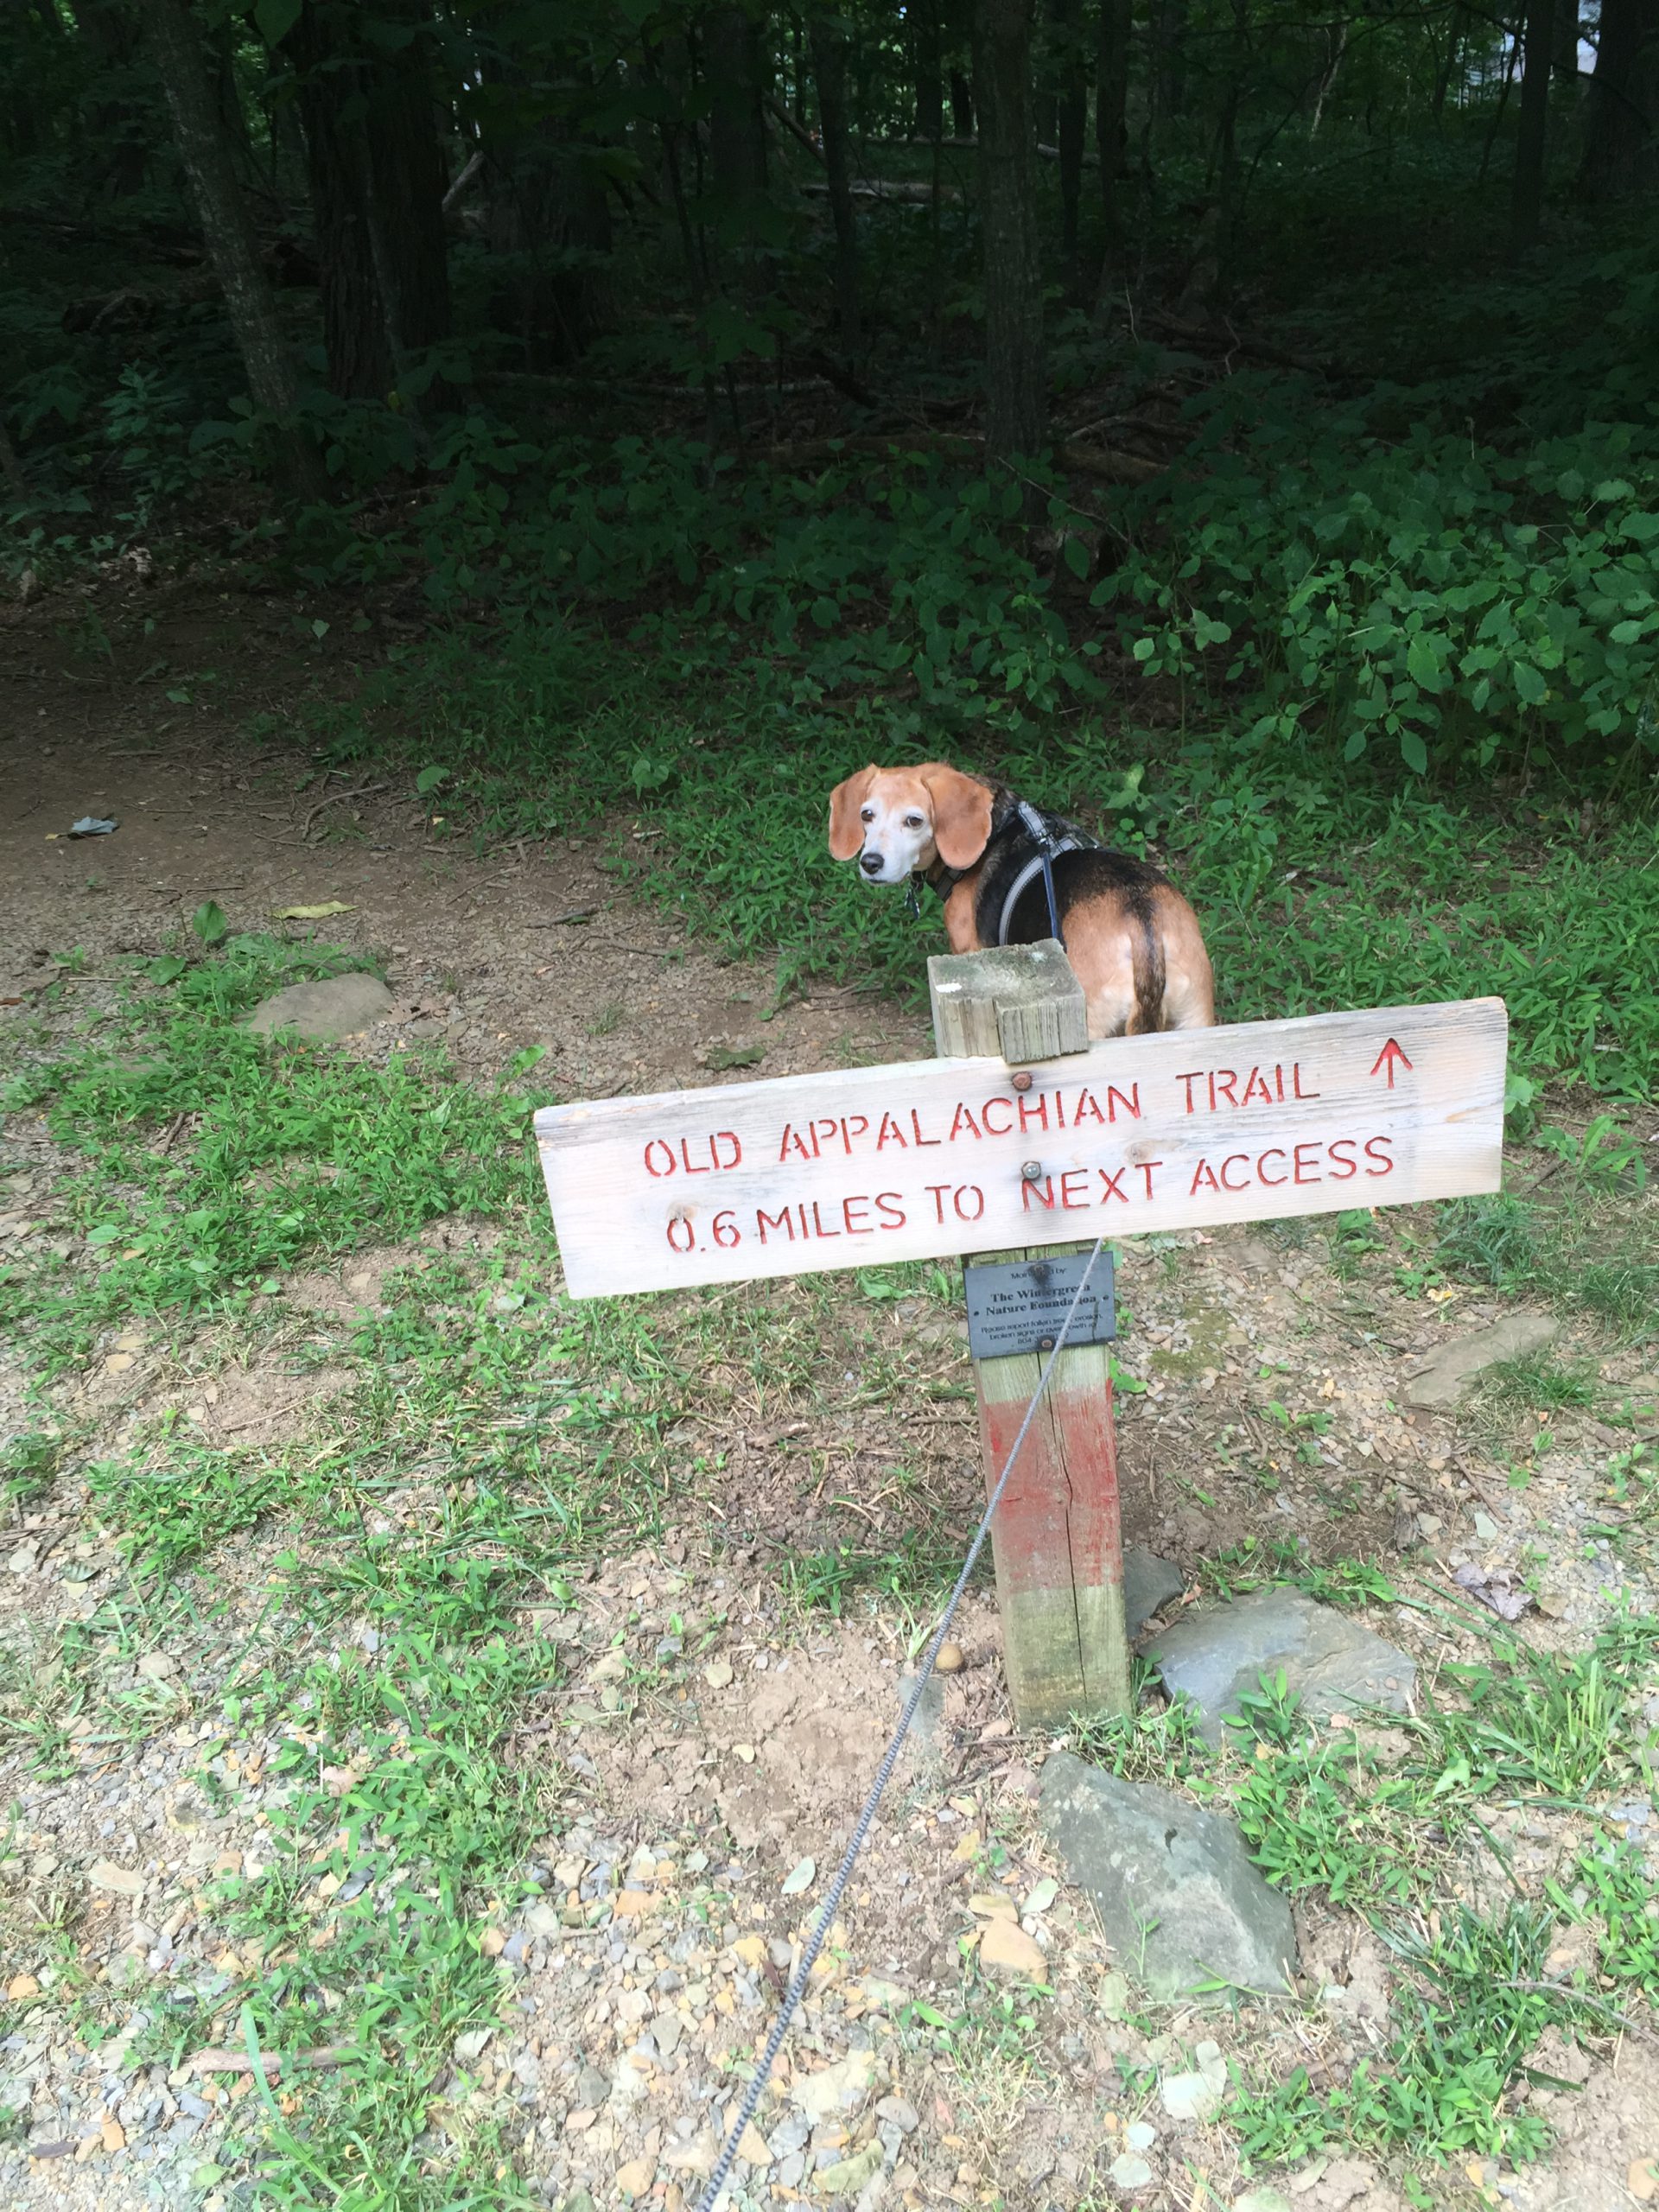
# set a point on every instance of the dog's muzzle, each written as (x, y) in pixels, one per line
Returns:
(872, 863)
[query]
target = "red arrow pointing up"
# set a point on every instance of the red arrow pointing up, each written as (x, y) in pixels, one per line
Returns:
(1390, 1053)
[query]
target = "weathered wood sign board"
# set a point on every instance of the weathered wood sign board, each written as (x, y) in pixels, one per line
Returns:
(799, 1175)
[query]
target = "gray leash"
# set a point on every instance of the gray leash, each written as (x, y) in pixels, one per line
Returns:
(798, 1981)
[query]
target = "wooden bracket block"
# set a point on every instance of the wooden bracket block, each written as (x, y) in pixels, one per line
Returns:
(1020, 1000)
(1057, 1538)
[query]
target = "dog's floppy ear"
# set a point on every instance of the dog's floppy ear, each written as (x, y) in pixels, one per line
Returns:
(962, 813)
(846, 831)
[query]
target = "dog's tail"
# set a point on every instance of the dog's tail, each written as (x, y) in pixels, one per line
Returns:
(1146, 961)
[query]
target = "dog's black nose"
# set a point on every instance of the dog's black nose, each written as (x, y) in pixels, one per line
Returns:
(871, 863)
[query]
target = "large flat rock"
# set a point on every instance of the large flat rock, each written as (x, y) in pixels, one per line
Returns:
(340, 1007)
(1330, 1662)
(1443, 1379)
(1180, 1902)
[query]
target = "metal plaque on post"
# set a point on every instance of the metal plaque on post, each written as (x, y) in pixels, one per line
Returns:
(1018, 1306)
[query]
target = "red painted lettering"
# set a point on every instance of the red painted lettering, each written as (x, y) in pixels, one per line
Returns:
(1254, 1081)
(1238, 1159)
(936, 1192)
(962, 1121)
(1034, 1111)
(793, 1141)
(1221, 1086)
(685, 1156)
(1086, 1104)
(782, 1219)
(666, 1151)
(727, 1232)
(1204, 1177)
(1131, 1105)
(1112, 1185)
(1071, 1199)
(1043, 1192)
(1279, 1081)
(1261, 1174)
(679, 1222)
(1145, 1167)
(852, 1125)
(969, 1191)
(1299, 1163)
(916, 1126)
(731, 1137)
(1385, 1166)
(1342, 1164)
(1189, 1080)
(889, 1202)
(1296, 1081)
(824, 1129)
(991, 1130)
(818, 1225)
(852, 1227)
(890, 1133)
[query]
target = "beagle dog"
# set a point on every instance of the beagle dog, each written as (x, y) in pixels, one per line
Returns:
(1133, 941)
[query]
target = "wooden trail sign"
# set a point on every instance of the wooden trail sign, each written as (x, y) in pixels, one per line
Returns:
(854, 1167)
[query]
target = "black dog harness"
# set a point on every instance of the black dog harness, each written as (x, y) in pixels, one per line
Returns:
(1025, 842)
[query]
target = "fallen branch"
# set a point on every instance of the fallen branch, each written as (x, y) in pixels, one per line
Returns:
(224, 2060)
(796, 129)
(337, 798)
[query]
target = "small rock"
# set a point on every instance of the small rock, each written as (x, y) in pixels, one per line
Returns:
(1443, 1379)
(112, 2135)
(848, 2177)
(632, 1904)
(22, 1987)
(1642, 2179)
(340, 1007)
(1329, 1662)
(1115, 1995)
(951, 1659)
(592, 2086)
(156, 1666)
(1005, 1947)
(1174, 1886)
(1139, 2135)
(800, 1877)
(665, 2032)
(103, 1874)
(1149, 1583)
(1190, 2096)
(1129, 2171)
(1263, 2200)
(635, 2178)
(841, 2088)
(751, 2146)
(924, 1746)
(718, 1674)
(902, 2113)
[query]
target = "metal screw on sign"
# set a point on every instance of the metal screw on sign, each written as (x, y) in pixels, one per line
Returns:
(1022, 1080)
(1032, 1170)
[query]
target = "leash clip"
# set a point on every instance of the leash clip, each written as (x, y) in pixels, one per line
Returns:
(913, 897)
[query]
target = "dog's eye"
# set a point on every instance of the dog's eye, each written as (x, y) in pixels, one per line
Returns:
(867, 814)
(912, 821)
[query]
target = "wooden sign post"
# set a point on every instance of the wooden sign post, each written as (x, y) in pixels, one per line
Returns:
(1024, 1136)
(1057, 1541)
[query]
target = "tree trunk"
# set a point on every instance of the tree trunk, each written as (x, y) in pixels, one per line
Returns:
(1169, 58)
(961, 106)
(1016, 420)
(830, 70)
(929, 70)
(1623, 105)
(1336, 46)
(732, 75)
(1565, 57)
(1111, 132)
(1531, 148)
(376, 194)
(119, 128)
(1071, 123)
(228, 232)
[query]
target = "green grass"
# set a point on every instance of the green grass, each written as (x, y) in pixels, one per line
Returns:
(214, 1161)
